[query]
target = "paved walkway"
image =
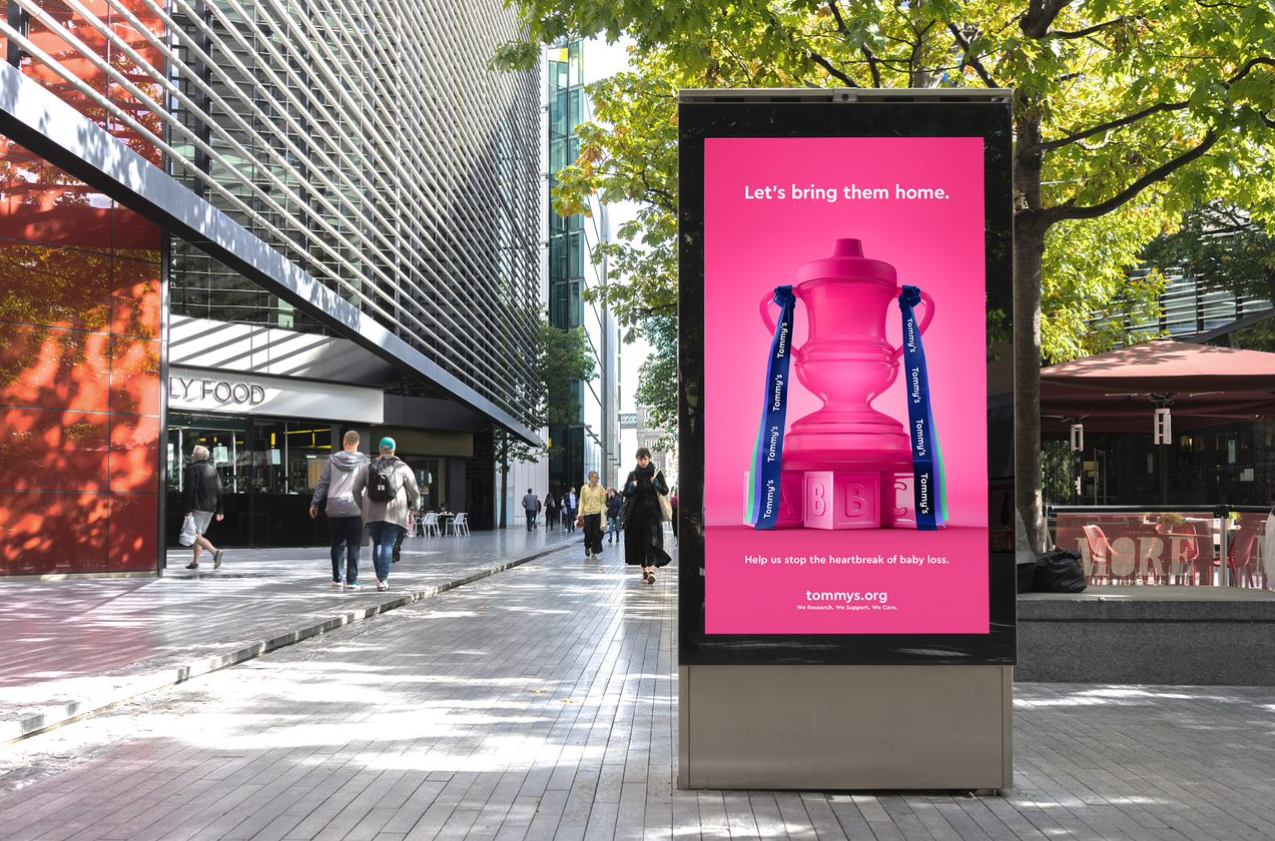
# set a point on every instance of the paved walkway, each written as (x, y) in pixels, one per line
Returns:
(72, 647)
(541, 703)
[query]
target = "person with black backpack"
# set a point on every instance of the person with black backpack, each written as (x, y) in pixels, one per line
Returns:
(389, 492)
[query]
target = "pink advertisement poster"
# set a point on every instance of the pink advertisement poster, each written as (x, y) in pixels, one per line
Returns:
(854, 536)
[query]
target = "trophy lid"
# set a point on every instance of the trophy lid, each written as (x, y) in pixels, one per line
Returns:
(847, 261)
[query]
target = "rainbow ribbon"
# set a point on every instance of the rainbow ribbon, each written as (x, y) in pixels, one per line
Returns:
(765, 485)
(930, 477)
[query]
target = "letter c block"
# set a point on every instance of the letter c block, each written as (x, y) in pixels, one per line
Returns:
(899, 501)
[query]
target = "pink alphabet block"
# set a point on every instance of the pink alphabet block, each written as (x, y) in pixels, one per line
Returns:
(899, 506)
(835, 500)
(789, 500)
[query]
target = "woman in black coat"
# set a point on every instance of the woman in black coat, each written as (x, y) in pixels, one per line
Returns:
(551, 510)
(643, 519)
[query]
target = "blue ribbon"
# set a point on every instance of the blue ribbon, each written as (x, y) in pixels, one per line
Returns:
(765, 481)
(927, 458)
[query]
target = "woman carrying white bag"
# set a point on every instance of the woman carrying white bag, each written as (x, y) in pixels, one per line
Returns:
(203, 502)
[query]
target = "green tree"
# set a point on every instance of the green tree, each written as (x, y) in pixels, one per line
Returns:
(1219, 244)
(1124, 117)
(657, 378)
(562, 359)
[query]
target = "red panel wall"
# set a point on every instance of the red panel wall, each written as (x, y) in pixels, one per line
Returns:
(81, 315)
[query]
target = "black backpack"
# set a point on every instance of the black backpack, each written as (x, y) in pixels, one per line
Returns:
(380, 480)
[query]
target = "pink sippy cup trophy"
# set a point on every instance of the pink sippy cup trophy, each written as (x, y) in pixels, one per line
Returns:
(849, 465)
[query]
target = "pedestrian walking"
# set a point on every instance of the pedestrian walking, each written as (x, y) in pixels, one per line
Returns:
(644, 517)
(570, 504)
(593, 507)
(530, 504)
(615, 504)
(335, 492)
(551, 510)
(204, 501)
(391, 492)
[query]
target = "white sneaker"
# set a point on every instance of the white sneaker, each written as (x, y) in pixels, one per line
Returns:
(337, 585)
(382, 585)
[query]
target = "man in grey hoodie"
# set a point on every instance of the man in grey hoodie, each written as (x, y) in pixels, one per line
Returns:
(342, 485)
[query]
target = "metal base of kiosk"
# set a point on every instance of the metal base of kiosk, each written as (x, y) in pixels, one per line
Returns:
(845, 727)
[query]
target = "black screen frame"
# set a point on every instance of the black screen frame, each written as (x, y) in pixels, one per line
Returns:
(703, 115)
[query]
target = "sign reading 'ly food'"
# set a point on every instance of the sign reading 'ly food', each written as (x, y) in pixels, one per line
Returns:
(194, 390)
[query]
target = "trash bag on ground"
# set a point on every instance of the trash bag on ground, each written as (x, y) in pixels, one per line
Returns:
(1058, 571)
(1026, 576)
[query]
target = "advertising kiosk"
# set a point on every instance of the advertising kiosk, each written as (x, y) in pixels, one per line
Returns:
(847, 604)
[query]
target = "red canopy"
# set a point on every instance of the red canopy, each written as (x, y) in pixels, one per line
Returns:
(1118, 391)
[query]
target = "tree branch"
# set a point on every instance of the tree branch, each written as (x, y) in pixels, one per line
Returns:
(1098, 27)
(970, 60)
(1041, 15)
(873, 64)
(669, 203)
(832, 71)
(1163, 107)
(863, 48)
(1248, 68)
(1114, 124)
(1069, 211)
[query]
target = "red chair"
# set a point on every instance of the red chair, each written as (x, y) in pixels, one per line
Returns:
(1239, 557)
(1100, 552)
(1190, 551)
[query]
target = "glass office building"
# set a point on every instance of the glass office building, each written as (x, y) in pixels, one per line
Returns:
(254, 225)
(592, 442)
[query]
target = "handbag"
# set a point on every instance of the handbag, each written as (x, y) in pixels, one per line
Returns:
(666, 506)
(189, 533)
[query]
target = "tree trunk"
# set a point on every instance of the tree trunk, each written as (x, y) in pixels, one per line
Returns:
(1029, 251)
(1030, 224)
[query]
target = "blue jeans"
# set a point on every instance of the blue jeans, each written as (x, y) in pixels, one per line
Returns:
(347, 537)
(613, 528)
(384, 536)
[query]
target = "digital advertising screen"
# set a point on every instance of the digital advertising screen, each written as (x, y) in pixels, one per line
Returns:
(840, 258)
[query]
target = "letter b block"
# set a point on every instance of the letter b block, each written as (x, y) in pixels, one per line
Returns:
(842, 500)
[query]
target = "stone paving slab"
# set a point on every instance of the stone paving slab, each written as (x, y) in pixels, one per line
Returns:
(75, 647)
(541, 703)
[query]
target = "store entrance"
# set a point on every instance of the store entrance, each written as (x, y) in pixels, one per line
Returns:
(268, 470)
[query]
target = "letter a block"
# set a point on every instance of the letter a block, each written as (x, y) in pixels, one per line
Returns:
(899, 508)
(789, 501)
(842, 500)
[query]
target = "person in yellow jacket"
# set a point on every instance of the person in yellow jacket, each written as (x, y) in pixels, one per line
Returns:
(593, 506)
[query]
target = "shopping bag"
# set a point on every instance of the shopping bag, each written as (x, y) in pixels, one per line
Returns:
(190, 532)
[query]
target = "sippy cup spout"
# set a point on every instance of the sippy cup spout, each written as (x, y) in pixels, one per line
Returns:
(847, 248)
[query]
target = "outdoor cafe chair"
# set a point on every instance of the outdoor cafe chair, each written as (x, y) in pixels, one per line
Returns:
(431, 525)
(1239, 557)
(1100, 552)
(1183, 567)
(459, 523)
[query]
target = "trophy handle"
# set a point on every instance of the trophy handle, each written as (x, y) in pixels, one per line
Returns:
(925, 321)
(769, 298)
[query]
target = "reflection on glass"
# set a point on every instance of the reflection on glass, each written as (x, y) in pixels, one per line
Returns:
(1189, 549)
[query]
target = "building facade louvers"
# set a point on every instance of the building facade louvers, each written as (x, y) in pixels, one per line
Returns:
(353, 169)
